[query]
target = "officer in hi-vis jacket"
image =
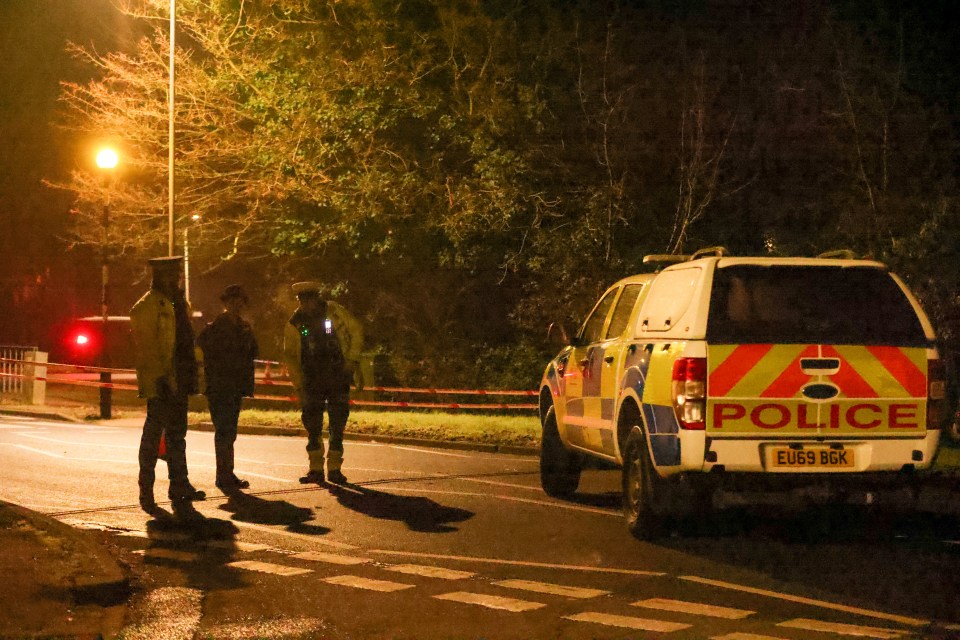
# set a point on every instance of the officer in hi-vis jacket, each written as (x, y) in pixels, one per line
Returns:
(321, 345)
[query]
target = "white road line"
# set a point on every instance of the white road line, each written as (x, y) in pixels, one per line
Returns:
(332, 558)
(159, 553)
(430, 572)
(491, 602)
(267, 567)
(515, 563)
(311, 539)
(628, 622)
(511, 485)
(26, 448)
(553, 589)
(744, 636)
(367, 583)
(542, 503)
(842, 629)
(823, 604)
(695, 608)
(81, 443)
(76, 458)
(253, 474)
(238, 545)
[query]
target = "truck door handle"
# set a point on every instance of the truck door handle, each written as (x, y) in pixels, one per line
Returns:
(608, 359)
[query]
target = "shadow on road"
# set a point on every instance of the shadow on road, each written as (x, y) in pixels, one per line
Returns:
(904, 562)
(250, 508)
(194, 545)
(418, 513)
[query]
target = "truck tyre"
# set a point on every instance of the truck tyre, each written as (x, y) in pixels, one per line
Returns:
(559, 468)
(640, 482)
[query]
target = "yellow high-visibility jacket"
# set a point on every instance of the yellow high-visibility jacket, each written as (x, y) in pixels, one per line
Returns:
(349, 334)
(155, 332)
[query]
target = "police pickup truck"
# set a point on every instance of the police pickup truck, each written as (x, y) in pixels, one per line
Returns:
(773, 371)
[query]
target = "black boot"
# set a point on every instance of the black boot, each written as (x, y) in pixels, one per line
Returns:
(312, 477)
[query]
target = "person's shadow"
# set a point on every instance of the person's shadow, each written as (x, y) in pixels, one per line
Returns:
(418, 513)
(253, 509)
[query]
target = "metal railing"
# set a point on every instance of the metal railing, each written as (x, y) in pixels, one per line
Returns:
(12, 368)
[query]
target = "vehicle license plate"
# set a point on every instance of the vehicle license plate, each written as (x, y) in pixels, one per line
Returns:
(811, 458)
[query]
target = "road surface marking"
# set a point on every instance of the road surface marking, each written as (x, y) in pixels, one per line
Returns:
(744, 636)
(26, 448)
(162, 536)
(253, 474)
(510, 485)
(332, 558)
(553, 589)
(80, 443)
(542, 503)
(842, 629)
(312, 539)
(695, 608)
(159, 553)
(367, 583)
(823, 604)
(491, 602)
(267, 567)
(430, 572)
(77, 458)
(516, 563)
(247, 547)
(628, 622)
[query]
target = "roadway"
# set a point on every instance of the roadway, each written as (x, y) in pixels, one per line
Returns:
(430, 543)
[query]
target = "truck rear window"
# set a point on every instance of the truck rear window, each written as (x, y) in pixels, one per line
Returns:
(810, 305)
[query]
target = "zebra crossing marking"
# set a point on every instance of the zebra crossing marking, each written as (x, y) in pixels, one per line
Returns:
(744, 636)
(332, 558)
(160, 553)
(841, 629)
(491, 602)
(267, 567)
(367, 583)
(628, 622)
(695, 608)
(430, 572)
(552, 589)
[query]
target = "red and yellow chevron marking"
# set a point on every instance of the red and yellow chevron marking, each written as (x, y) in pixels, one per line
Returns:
(774, 372)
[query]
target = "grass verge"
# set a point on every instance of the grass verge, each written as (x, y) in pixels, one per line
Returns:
(504, 430)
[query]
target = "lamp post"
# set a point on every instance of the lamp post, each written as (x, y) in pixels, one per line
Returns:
(170, 132)
(186, 257)
(107, 160)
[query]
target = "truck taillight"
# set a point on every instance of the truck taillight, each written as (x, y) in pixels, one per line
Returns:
(936, 393)
(689, 391)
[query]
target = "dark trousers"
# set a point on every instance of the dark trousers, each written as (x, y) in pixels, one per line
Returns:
(225, 413)
(336, 403)
(167, 416)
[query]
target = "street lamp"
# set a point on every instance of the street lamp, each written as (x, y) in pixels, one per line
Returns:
(186, 257)
(107, 160)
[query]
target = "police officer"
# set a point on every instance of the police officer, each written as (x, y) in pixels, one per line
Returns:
(229, 350)
(321, 345)
(166, 376)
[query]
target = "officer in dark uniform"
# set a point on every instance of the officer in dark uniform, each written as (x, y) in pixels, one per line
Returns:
(229, 350)
(166, 376)
(322, 344)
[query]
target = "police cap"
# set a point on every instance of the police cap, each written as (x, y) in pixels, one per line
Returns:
(166, 263)
(302, 289)
(234, 291)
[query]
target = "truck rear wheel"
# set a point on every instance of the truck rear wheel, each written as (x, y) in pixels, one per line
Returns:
(640, 482)
(559, 467)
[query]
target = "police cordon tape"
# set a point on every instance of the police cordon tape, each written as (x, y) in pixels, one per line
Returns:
(281, 383)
